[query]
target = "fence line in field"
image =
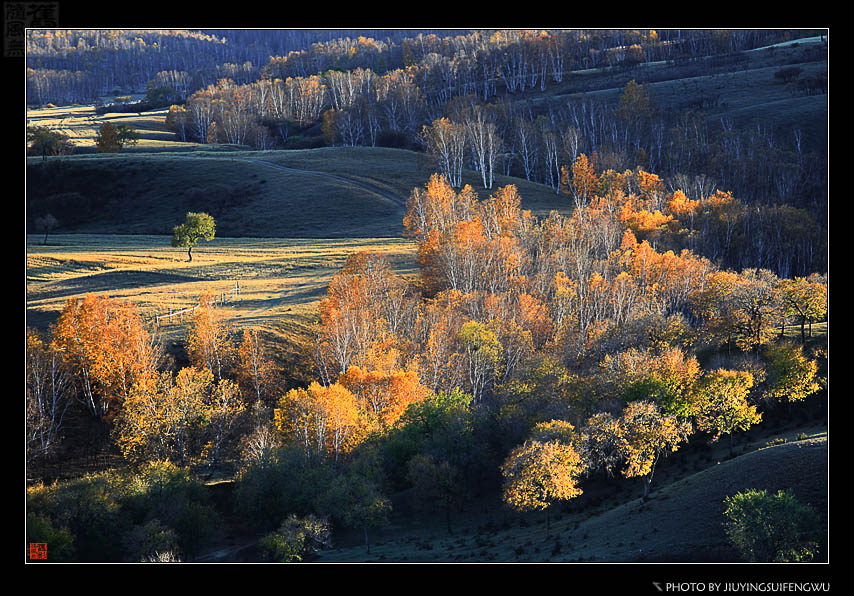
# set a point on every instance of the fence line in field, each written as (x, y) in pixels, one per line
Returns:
(222, 299)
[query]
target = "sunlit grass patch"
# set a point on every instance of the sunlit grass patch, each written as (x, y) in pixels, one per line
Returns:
(271, 283)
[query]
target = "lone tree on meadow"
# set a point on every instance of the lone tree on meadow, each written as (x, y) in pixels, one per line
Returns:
(46, 224)
(112, 139)
(197, 226)
(44, 141)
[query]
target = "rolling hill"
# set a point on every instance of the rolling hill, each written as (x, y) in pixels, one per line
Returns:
(333, 192)
(680, 523)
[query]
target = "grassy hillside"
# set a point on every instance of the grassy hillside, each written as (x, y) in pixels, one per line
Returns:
(148, 188)
(324, 193)
(741, 89)
(681, 522)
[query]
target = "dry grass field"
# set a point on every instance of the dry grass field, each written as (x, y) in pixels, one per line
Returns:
(280, 280)
(81, 123)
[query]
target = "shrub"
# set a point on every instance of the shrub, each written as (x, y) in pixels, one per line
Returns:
(114, 517)
(166, 495)
(296, 539)
(59, 540)
(88, 509)
(147, 542)
(287, 483)
(392, 138)
(771, 528)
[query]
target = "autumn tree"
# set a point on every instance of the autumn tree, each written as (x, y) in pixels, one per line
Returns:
(743, 307)
(482, 356)
(223, 413)
(580, 181)
(366, 307)
(599, 443)
(182, 418)
(757, 300)
(197, 226)
(210, 343)
(322, 420)
(383, 395)
(543, 470)
(178, 120)
(646, 434)
(439, 359)
(112, 139)
(635, 105)
(791, 375)
(107, 348)
(667, 378)
(256, 370)
(715, 308)
(724, 405)
(48, 393)
(804, 298)
(258, 443)
(433, 214)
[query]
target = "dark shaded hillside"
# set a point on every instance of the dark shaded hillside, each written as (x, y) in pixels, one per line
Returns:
(332, 192)
(151, 194)
(682, 522)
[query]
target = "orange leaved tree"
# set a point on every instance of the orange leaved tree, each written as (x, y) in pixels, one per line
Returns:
(108, 349)
(322, 421)
(383, 396)
(209, 340)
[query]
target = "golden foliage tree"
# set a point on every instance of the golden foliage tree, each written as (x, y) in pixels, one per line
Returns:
(804, 298)
(383, 395)
(108, 349)
(183, 418)
(255, 370)
(323, 421)
(361, 318)
(791, 375)
(542, 470)
(599, 443)
(724, 407)
(581, 180)
(646, 434)
(209, 340)
(482, 353)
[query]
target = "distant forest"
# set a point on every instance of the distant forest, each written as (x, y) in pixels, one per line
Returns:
(470, 97)
(66, 66)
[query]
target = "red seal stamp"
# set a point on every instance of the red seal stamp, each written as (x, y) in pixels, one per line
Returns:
(38, 550)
